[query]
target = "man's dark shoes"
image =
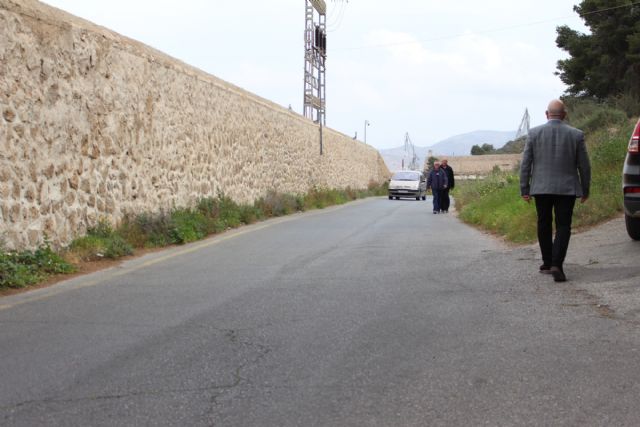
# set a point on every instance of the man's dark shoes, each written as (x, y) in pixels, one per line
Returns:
(558, 274)
(545, 269)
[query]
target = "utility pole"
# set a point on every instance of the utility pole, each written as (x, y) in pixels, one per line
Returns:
(315, 56)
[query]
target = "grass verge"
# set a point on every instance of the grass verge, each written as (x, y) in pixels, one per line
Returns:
(159, 229)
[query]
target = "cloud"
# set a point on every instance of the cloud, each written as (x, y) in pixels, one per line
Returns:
(402, 47)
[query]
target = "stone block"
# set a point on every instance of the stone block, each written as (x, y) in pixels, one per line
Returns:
(49, 226)
(70, 198)
(15, 214)
(74, 181)
(34, 236)
(85, 185)
(9, 115)
(110, 205)
(16, 191)
(18, 130)
(45, 208)
(30, 193)
(49, 171)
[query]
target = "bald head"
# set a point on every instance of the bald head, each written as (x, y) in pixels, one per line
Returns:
(556, 110)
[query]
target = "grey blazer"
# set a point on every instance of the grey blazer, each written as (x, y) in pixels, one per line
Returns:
(555, 161)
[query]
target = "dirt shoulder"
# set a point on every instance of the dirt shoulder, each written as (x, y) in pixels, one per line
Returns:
(602, 266)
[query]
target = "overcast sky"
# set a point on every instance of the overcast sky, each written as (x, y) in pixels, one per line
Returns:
(433, 68)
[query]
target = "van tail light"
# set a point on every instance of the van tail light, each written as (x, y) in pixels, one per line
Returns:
(635, 137)
(632, 190)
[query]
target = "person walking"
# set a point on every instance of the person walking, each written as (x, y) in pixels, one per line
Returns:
(437, 182)
(555, 170)
(446, 201)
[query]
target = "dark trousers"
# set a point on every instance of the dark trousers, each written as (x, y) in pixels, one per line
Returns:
(437, 197)
(445, 201)
(554, 250)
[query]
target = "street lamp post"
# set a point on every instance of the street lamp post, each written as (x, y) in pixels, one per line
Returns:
(366, 123)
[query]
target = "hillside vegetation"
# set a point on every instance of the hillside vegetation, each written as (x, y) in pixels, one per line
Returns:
(494, 204)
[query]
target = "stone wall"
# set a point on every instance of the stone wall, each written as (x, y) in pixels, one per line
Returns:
(94, 125)
(478, 166)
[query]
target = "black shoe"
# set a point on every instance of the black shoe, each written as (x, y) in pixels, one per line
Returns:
(545, 269)
(435, 212)
(558, 274)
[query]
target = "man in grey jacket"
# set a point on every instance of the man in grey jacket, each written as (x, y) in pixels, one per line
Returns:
(555, 170)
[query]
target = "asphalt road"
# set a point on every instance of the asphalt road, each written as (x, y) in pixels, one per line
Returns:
(376, 313)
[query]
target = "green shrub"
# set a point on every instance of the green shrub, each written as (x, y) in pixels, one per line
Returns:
(101, 229)
(277, 204)
(147, 230)
(229, 212)
(116, 247)
(187, 226)
(20, 269)
(101, 241)
(48, 261)
(250, 214)
(87, 248)
(16, 275)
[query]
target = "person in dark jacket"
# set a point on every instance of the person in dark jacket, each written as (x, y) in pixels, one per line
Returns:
(555, 170)
(437, 182)
(446, 201)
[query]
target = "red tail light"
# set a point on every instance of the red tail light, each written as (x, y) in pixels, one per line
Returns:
(633, 142)
(634, 190)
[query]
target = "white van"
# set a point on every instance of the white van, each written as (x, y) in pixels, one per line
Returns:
(408, 184)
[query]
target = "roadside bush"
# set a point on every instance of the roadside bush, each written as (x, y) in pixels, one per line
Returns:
(250, 214)
(187, 226)
(593, 116)
(20, 269)
(230, 212)
(147, 229)
(116, 247)
(277, 204)
(101, 241)
(86, 248)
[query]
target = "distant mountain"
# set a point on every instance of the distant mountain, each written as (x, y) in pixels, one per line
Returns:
(458, 145)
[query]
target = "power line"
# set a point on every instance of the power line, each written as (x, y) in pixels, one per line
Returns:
(334, 26)
(494, 30)
(608, 9)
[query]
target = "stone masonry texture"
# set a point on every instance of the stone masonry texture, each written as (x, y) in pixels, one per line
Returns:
(95, 125)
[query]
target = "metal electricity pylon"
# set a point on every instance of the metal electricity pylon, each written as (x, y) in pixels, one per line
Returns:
(523, 129)
(410, 150)
(315, 56)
